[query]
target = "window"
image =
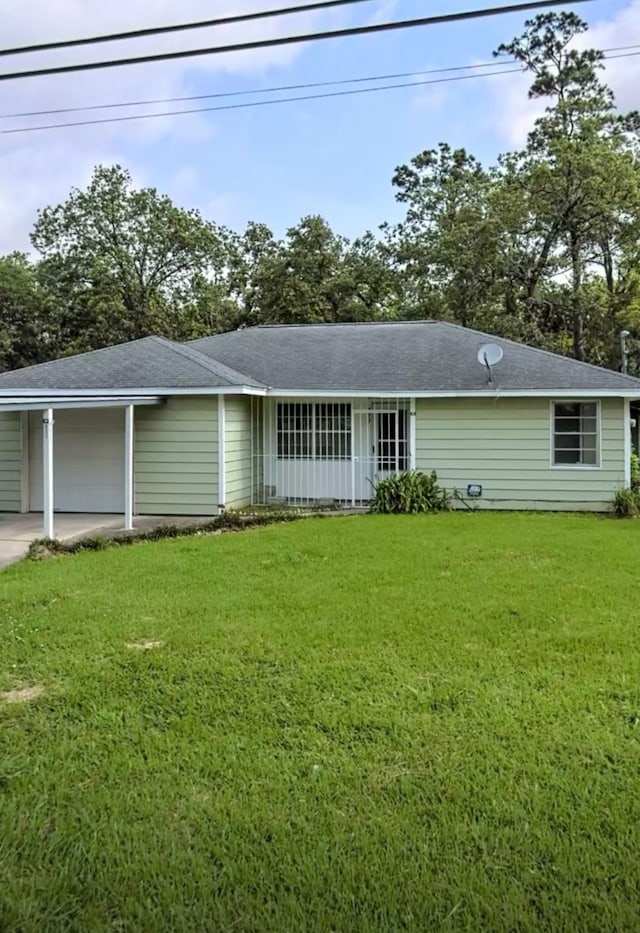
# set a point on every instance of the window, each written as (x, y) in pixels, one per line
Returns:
(575, 434)
(313, 430)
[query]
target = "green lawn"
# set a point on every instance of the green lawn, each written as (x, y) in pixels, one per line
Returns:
(350, 724)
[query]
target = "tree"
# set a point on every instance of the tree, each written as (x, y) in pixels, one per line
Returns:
(24, 310)
(445, 246)
(122, 263)
(579, 166)
(316, 276)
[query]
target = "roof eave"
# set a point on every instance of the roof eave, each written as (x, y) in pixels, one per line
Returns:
(490, 393)
(51, 395)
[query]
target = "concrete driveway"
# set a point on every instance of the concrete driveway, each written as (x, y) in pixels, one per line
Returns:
(18, 531)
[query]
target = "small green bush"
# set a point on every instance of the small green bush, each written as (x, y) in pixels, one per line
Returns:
(410, 491)
(626, 503)
(231, 520)
(635, 472)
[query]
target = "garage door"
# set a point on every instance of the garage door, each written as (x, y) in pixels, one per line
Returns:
(88, 460)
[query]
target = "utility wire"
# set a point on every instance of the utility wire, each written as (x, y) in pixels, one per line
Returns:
(290, 40)
(179, 27)
(285, 87)
(260, 90)
(253, 103)
(268, 103)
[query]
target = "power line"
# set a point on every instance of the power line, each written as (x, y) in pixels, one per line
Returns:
(253, 103)
(268, 103)
(290, 40)
(179, 27)
(284, 87)
(247, 93)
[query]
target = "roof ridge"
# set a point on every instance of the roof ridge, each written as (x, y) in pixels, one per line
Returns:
(339, 324)
(207, 363)
(526, 346)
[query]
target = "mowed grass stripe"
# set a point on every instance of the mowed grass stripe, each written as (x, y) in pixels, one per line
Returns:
(375, 723)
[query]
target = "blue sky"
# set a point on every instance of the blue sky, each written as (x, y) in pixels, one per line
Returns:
(275, 164)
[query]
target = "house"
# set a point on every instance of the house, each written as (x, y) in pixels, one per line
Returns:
(300, 414)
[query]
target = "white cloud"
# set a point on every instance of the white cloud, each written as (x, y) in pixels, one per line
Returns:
(514, 114)
(622, 74)
(39, 168)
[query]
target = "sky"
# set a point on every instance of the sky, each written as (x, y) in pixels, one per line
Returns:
(273, 164)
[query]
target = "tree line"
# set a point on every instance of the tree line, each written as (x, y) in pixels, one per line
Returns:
(542, 247)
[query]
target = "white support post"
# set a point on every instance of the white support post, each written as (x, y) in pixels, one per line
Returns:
(412, 434)
(128, 467)
(47, 473)
(626, 413)
(222, 493)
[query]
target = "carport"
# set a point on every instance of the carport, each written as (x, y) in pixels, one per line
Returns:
(85, 464)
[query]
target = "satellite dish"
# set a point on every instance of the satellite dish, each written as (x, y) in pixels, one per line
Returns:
(490, 354)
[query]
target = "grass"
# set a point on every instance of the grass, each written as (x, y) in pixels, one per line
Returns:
(375, 723)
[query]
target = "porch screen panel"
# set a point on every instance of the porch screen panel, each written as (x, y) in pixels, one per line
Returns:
(313, 430)
(333, 431)
(294, 430)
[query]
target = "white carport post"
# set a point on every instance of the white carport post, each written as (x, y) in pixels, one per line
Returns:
(47, 472)
(128, 468)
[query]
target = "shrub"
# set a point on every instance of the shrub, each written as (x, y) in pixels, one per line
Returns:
(635, 472)
(626, 503)
(410, 491)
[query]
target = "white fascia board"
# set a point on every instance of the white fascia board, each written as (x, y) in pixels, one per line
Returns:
(131, 398)
(34, 404)
(490, 396)
(58, 396)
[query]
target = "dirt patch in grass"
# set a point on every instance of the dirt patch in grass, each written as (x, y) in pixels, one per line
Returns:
(145, 645)
(22, 694)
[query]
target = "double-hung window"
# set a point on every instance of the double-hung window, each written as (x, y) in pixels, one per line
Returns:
(575, 434)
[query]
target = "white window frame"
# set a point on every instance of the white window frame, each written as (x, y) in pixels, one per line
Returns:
(552, 432)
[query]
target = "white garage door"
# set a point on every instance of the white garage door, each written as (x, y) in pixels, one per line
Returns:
(88, 460)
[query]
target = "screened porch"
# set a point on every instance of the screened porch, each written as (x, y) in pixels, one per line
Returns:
(327, 451)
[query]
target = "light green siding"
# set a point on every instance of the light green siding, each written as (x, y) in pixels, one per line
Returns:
(10, 462)
(176, 457)
(237, 451)
(505, 445)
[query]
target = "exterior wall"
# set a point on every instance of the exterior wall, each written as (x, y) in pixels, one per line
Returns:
(505, 445)
(176, 457)
(10, 462)
(237, 451)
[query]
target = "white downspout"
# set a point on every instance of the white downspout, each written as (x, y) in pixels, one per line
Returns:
(128, 467)
(47, 473)
(412, 434)
(222, 492)
(626, 413)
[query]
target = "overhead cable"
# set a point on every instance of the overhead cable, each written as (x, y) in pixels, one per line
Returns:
(462, 16)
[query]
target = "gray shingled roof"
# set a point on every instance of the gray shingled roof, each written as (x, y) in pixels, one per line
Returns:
(410, 356)
(152, 362)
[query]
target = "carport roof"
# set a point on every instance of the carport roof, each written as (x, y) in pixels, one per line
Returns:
(142, 364)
